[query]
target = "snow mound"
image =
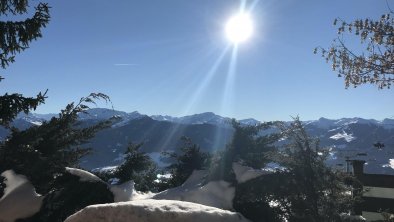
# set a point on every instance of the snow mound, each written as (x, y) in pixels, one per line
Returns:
(218, 194)
(123, 192)
(20, 199)
(195, 179)
(154, 211)
(84, 176)
(347, 137)
(356, 218)
(126, 192)
(244, 173)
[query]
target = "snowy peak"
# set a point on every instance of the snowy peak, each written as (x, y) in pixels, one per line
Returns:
(388, 123)
(201, 118)
(32, 119)
(207, 117)
(324, 123)
(164, 118)
(250, 122)
(204, 118)
(102, 114)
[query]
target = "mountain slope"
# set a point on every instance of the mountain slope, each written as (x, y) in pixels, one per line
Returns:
(351, 138)
(156, 136)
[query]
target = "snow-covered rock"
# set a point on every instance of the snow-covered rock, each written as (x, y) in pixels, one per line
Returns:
(154, 211)
(244, 173)
(20, 199)
(123, 192)
(84, 176)
(352, 218)
(218, 194)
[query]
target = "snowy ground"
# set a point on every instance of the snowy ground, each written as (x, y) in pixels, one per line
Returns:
(192, 201)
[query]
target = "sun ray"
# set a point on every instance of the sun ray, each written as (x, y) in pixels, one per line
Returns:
(253, 5)
(205, 82)
(198, 93)
(227, 103)
(228, 93)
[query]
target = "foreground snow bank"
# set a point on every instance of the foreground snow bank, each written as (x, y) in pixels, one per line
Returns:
(20, 199)
(154, 211)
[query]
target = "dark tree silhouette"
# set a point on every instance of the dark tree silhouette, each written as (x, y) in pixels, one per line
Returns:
(375, 64)
(313, 191)
(137, 166)
(378, 145)
(304, 189)
(249, 146)
(15, 37)
(189, 159)
(41, 153)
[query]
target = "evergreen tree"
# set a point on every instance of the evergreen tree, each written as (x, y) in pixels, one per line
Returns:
(137, 166)
(312, 191)
(189, 159)
(249, 146)
(305, 189)
(15, 37)
(42, 152)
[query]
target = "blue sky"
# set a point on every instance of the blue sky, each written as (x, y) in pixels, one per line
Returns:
(162, 57)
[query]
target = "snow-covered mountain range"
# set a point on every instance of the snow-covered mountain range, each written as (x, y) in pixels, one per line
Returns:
(352, 138)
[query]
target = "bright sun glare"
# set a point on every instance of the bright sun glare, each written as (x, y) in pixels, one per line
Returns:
(239, 28)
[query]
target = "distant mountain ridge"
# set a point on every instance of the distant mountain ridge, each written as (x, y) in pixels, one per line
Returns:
(329, 123)
(201, 118)
(345, 137)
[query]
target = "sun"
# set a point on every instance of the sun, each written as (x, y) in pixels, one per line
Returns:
(239, 28)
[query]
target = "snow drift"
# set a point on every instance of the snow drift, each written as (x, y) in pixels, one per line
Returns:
(20, 199)
(245, 173)
(218, 194)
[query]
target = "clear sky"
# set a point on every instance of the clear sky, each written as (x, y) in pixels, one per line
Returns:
(171, 57)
